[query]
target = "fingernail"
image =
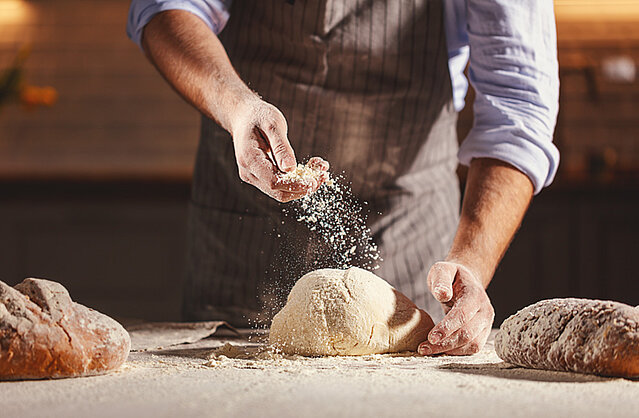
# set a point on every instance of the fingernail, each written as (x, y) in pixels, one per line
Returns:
(424, 350)
(435, 337)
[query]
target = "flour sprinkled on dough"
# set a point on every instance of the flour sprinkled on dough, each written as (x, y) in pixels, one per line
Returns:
(347, 312)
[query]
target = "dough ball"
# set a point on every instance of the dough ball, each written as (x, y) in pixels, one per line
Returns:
(350, 312)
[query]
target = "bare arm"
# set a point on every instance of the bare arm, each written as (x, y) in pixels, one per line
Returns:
(497, 196)
(496, 199)
(193, 61)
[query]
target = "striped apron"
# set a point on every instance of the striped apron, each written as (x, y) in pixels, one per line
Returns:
(363, 84)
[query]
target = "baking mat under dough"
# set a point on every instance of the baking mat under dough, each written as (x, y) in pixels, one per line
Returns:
(157, 335)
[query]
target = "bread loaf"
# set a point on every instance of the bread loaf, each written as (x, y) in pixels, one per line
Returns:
(44, 334)
(578, 335)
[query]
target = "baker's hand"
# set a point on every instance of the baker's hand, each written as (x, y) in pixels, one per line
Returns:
(259, 131)
(469, 313)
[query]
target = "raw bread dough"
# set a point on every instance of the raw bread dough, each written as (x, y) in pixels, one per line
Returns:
(347, 312)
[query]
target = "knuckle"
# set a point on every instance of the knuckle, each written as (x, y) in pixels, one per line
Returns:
(271, 127)
(277, 116)
(280, 148)
(473, 347)
(459, 319)
(272, 117)
(445, 327)
(244, 176)
(243, 159)
(464, 336)
(279, 196)
(274, 183)
(243, 165)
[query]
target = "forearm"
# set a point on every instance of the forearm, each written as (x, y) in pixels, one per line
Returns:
(496, 198)
(193, 60)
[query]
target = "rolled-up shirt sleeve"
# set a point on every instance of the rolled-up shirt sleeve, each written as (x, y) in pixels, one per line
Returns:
(214, 13)
(514, 71)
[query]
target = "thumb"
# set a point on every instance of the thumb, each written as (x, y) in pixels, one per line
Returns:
(440, 281)
(280, 146)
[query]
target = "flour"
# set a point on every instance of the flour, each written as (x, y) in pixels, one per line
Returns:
(250, 357)
(338, 218)
(306, 174)
(338, 236)
(175, 382)
(262, 357)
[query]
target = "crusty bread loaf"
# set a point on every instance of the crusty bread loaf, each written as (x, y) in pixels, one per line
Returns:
(44, 334)
(578, 335)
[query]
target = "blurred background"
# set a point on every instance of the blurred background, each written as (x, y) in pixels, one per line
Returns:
(96, 153)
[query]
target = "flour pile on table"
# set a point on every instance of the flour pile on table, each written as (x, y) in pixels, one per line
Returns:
(242, 356)
(339, 219)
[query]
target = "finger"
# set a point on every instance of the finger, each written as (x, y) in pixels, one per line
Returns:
(321, 179)
(257, 162)
(279, 195)
(275, 134)
(261, 173)
(284, 193)
(295, 186)
(284, 196)
(440, 281)
(474, 346)
(464, 309)
(318, 164)
(464, 335)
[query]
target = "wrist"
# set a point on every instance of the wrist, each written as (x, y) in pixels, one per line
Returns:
(231, 108)
(477, 268)
(241, 107)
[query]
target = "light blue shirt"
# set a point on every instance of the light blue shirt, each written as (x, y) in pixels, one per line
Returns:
(511, 49)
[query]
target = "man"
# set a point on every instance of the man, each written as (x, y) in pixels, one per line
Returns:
(373, 87)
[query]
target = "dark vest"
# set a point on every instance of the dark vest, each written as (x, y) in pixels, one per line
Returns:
(363, 84)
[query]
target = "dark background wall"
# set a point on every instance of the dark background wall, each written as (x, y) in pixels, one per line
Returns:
(115, 118)
(93, 191)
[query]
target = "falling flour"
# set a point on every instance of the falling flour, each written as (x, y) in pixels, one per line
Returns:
(334, 214)
(339, 237)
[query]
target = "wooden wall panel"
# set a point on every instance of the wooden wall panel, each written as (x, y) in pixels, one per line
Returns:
(116, 117)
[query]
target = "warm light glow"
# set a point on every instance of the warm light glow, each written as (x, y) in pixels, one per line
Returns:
(603, 10)
(15, 11)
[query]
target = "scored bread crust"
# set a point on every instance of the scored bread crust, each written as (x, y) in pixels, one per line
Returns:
(44, 334)
(578, 335)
